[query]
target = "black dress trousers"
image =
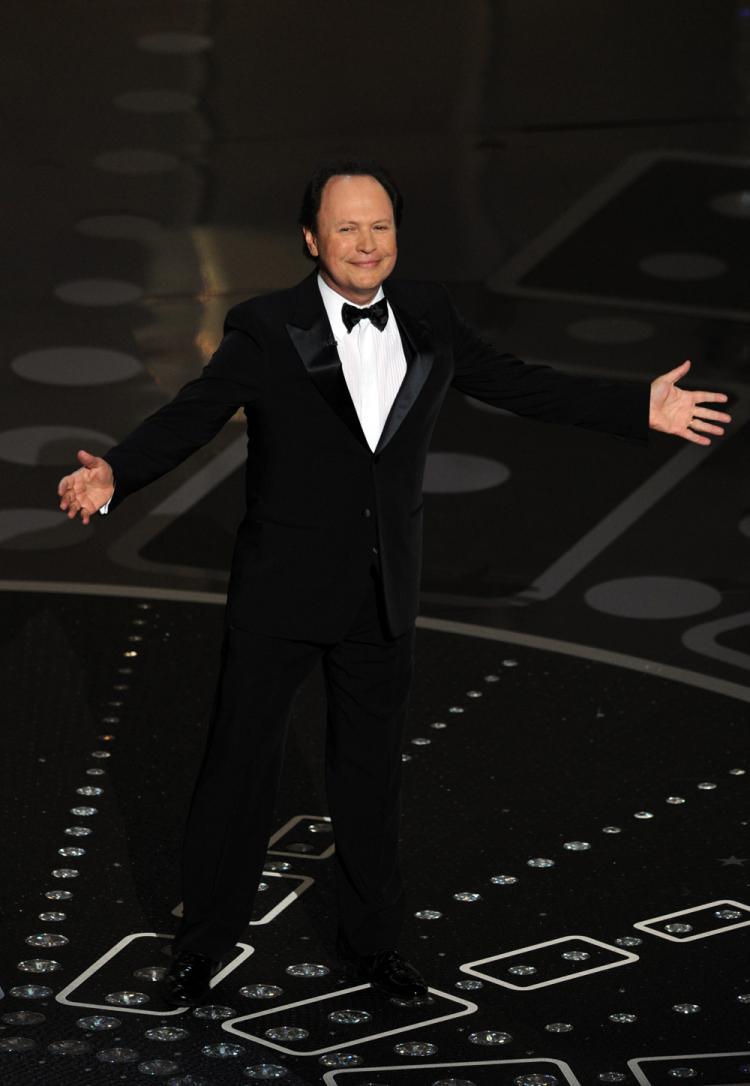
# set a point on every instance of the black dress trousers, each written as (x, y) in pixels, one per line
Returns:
(367, 680)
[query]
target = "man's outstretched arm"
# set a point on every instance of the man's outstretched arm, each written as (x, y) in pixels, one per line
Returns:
(624, 409)
(233, 377)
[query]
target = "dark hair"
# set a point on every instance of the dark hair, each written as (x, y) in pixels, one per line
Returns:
(351, 167)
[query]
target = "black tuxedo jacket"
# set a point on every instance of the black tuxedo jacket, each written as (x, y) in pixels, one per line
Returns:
(320, 502)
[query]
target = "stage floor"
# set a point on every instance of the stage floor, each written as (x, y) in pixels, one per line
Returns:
(574, 846)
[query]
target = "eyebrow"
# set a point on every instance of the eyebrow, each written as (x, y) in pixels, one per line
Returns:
(355, 222)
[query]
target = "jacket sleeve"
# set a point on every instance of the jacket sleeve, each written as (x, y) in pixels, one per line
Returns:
(542, 392)
(234, 376)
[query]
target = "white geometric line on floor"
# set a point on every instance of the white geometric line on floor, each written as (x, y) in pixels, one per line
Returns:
(290, 825)
(624, 515)
(232, 1025)
(304, 883)
(505, 279)
(702, 639)
(333, 1078)
(648, 925)
(622, 957)
(127, 549)
(244, 951)
(643, 1080)
(439, 625)
(591, 652)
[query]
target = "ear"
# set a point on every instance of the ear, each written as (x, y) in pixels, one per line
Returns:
(310, 241)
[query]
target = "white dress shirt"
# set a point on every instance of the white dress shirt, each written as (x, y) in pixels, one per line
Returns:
(373, 361)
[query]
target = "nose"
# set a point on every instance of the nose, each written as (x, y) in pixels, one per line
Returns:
(366, 242)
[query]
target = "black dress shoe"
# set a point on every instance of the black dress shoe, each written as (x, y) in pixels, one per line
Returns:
(391, 973)
(188, 978)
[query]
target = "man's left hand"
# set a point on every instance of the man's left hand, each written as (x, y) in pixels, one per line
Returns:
(676, 411)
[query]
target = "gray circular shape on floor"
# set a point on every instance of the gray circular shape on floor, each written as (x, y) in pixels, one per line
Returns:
(54, 445)
(39, 530)
(611, 330)
(136, 160)
(460, 473)
(75, 366)
(744, 526)
(734, 204)
(684, 267)
(97, 292)
(653, 597)
(50, 444)
(116, 227)
(156, 101)
(174, 41)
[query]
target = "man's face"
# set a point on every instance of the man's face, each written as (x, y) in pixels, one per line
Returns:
(355, 236)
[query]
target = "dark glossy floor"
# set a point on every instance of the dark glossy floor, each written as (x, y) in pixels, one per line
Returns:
(579, 175)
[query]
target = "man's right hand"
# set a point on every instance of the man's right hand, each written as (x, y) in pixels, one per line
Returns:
(88, 489)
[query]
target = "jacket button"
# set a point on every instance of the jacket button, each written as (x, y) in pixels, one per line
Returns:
(375, 550)
(366, 512)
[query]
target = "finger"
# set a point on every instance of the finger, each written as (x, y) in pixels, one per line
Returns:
(705, 427)
(86, 458)
(697, 439)
(63, 485)
(706, 413)
(709, 397)
(678, 371)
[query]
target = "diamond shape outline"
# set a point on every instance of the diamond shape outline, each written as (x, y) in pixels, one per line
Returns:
(230, 1025)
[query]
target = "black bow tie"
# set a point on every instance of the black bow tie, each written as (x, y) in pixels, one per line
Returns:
(378, 314)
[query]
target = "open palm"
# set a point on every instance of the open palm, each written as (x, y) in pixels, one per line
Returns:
(86, 490)
(676, 411)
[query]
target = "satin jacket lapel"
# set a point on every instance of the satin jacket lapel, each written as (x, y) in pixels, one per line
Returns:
(311, 335)
(416, 336)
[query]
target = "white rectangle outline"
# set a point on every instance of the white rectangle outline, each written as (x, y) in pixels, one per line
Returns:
(505, 280)
(305, 882)
(331, 1078)
(642, 1080)
(628, 959)
(643, 925)
(299, 855)
(229, 1026)
(113, 1008)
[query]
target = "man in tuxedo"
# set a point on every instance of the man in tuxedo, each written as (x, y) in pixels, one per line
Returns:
(341, 379)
